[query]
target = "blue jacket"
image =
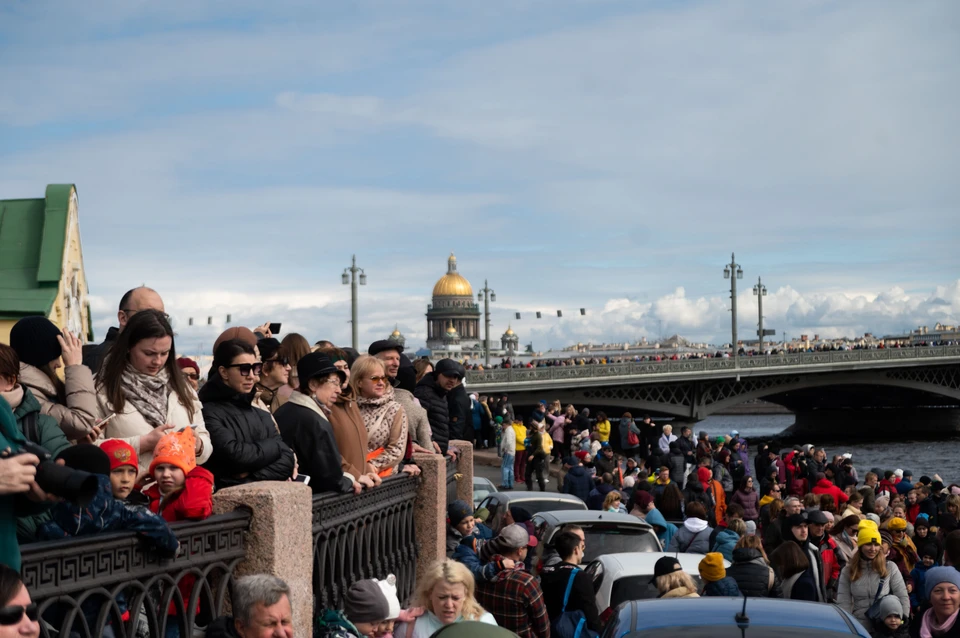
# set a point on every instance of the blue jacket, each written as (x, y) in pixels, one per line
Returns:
(476, 411)
(904, 486)
(597, 495)
(578, 483)
(919, 576)
(725, 543)
(466, 554)
(654, 517)
(726, 586)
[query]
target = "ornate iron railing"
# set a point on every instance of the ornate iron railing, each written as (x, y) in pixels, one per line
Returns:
(92, 585)
(934, 354)
(362, 536)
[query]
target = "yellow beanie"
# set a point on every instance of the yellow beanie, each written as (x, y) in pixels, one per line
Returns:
(711, 567)
(897, 524)
(868, 533)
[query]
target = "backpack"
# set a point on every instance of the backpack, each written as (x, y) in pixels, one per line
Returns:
(570, 624)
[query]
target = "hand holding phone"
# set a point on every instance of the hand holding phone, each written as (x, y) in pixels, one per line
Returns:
(303, 478)
(275, 328)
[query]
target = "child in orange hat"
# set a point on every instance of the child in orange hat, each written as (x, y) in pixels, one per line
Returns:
(123, 467)
(182, 490)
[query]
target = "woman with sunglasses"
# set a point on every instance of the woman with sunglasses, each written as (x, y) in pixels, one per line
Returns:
(18, 614)
(142, 395)
(246, 444)
(383, 416)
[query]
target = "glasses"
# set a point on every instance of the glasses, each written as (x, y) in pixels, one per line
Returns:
(246, 368)
(191, 375)
(335, 382)
(379, 379)
(283, 361)
(14, 613)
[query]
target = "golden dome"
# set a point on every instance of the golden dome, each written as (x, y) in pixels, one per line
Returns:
(451, 330)
(395, 333)
(509, 332)
(452, 284)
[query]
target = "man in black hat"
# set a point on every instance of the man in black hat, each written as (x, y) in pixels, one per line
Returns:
(432, 392)
(389, 352)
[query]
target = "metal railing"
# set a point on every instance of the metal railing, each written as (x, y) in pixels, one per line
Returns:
(90, 586)
(707, 364)
(369, 535)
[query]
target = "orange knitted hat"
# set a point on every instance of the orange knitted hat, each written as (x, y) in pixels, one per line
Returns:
(177, 449)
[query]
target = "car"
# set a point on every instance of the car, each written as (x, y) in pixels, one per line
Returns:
(629, 576)
(481, 488)
(604, 532)
(717, 617)
(534, 502)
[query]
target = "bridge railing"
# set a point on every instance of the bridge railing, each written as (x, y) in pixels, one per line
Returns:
(652, 368)
(86, 584)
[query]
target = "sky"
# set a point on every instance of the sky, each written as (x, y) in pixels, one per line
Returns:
(602, 154)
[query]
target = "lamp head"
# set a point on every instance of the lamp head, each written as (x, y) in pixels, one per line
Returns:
(345, 279)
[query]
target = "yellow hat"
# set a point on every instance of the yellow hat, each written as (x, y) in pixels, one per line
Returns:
(897, 524)
(868, 533)
(711, 567)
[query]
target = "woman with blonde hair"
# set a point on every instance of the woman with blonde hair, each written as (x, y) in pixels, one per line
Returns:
(383, 417)
(672, 581)
(612, 502)
(861, 579)
(446, 593)
(423, 368)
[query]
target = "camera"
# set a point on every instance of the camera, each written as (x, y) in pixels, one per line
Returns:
(75, 486)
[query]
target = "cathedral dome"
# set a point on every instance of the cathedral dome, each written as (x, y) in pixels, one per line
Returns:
(452, 284)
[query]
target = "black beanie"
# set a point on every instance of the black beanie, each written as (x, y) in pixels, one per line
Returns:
(86, 457)
(268, 347)
(35, 341)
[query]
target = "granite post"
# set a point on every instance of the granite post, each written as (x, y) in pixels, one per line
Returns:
(464, 470)
(280, 540)
(430, 511)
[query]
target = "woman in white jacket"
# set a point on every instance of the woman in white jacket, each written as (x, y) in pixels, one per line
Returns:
(666, 439)
(142, 393)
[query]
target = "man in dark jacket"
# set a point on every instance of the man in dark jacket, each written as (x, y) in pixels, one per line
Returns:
(753, 575)
(460, 415)
(577, 482)
(132, 302)
(570, 546)
(688, 448)
(432, 392)
(599, 493)
(605, 463)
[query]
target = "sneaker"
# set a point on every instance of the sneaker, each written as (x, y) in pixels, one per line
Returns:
(546, 480)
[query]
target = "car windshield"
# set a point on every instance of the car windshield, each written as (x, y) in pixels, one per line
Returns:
(638, 587)
(607, 538)
(481, 492)
(535, 507)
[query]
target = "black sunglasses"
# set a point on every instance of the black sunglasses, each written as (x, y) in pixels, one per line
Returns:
(281, 360)
(13, 614)
(246, 368)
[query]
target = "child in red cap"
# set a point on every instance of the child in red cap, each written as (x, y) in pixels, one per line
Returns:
(183, 491)
(123, 467)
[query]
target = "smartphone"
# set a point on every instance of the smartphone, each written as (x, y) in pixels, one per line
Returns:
(275, 328)
(303, 478)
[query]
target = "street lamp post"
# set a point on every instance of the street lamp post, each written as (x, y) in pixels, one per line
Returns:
(486, 295)
(350, 277)
(733, 271)
(760, 291)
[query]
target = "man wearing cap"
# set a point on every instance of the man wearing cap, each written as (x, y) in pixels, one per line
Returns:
(906, 483)
(432, 392)
(571, 547)
(275, 374)
(132, 302)
(577, 482)
(833, 561)
(514, 597)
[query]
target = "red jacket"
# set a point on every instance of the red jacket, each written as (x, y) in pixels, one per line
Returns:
(824, 486)
(831, 562)
(193, 503)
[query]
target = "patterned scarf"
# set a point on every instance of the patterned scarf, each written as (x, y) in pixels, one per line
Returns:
(382, 411)
(147, 394)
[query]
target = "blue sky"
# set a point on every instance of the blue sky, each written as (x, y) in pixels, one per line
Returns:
(603, 154)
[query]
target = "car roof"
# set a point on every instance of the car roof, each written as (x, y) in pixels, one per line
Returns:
(485, 482)
(636, 563)
(564, 517)
(524, 495)
(712, 610)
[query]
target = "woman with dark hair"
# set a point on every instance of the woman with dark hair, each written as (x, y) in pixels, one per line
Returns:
(793, 566)
(35, 426)
(246, 444)
(294, 347)
(72, 402)
(747, 497)
(670, 502)
(141, 394)
(19, 613)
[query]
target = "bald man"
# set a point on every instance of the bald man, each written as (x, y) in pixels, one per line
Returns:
(131, 303)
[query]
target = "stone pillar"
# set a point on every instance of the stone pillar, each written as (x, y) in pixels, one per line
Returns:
(430, 513)
(464, 468)
(280, 540)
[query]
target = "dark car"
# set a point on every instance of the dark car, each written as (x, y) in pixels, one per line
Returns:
(721, 618)
(604, 533)
(533, 502)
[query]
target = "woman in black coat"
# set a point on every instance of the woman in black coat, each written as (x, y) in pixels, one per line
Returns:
(246, 444)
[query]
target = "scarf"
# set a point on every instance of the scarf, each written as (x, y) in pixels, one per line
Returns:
(378, 415)
(930, 629)
(148, 395)
(13, 397)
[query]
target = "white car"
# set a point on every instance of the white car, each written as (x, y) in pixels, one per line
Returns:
(629, 576)
(481, 489)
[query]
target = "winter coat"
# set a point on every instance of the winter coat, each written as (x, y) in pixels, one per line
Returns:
(919, 576)
(48, 434)
(680, 592)
(596, 497)
(459, 405)
(129, 425)
(693, 537)
(193, 503)
(93, 355)
(305, 429)
(582, 595)
(665, 441)
(824, 486)
(433, 398)
(654, 517)
(722, 474)
(626, 426)
(350, 433)
(603, 430)
(78, 416)
(556, 427)
(677, 467)
(246, 444)
(719, 499)
(802, 586)
(754, 577)
(578, 483)
(749, 500)
(694, 493)
(726, 542)
(605, 466)
(831, 557)
(272, 399)
(417, 420)
(857, 596)
(726, 586)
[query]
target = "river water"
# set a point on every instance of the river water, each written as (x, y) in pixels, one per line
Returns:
(921, 457)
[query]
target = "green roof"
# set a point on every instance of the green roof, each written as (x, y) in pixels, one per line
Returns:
(33, 234)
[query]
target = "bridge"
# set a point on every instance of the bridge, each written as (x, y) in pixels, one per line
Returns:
(693, 389)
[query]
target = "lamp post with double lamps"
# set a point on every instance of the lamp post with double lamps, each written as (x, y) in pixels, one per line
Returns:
(733, 271)
(486, 295)
(760, 291)
(350, 277)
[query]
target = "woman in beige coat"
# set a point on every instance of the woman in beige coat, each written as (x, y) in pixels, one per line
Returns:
(72, 402)
(141, 393)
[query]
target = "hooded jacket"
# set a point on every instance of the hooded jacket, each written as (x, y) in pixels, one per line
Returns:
(246, 444)
(77, 417)
(692, 538)
(433, 398)
(654, 517)
(305, 429)
(754, 577)
(48, 434)
(824, 486)
(578, 483)
(726, 542)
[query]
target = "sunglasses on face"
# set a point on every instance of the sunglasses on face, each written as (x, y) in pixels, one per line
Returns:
(281, 360)
(379, 379)
(14, 614)
(246, 368)
(191, 375)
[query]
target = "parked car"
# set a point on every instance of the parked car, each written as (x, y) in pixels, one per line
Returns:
(481, 488)
(534, 502)
(721, 618)
(605, 533)
(622, 577)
